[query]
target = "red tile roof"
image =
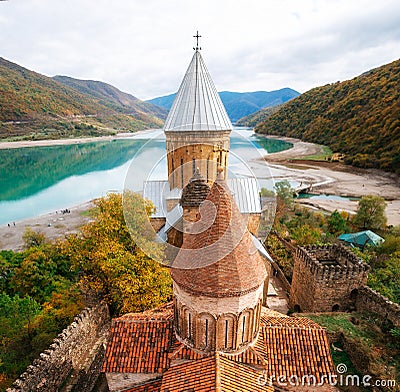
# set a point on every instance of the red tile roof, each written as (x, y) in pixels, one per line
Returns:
(296, 346)
(215, 373)
(145, 343)
(220, 259)
(151, 386)
(138, 346)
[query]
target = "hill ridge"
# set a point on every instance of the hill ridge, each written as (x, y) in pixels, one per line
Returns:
(33, 105)
(358, 117)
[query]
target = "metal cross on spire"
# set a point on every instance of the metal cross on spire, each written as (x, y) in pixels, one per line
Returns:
(197, 36)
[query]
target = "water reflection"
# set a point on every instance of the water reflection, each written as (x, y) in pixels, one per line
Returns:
(37, 180)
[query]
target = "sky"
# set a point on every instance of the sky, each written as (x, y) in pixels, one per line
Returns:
(143, 47)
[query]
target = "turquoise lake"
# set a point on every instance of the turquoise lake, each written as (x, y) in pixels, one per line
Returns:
(38, 180)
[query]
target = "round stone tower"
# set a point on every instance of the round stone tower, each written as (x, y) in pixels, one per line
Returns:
(218, 277)
(197, 128)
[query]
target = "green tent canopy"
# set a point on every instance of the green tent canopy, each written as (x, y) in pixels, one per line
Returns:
(362, 238)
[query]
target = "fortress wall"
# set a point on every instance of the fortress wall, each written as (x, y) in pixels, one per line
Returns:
(77, 351)
(370, 301)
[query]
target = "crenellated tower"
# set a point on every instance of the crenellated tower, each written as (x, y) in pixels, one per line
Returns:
(326, 278)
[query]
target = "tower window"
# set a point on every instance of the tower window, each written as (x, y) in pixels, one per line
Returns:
(243, 327)
(182, 172)
(173, 172)
(190, 327)
(206, 332)
(193, 166)
(226, 332)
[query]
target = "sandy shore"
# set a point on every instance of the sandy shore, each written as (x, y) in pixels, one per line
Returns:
(53, 225)
(331, 179)
(326, 178)
(60, 142)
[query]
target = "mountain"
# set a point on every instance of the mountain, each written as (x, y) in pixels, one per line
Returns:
(358, 117)
(255, 118)
(36, 106)
(163, 102)
(110, 95)
(239, 105)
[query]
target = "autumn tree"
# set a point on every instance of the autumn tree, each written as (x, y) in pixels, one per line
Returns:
(371, 213)
(112, 264)
(33, 238)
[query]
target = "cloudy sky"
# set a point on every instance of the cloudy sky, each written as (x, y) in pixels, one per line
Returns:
(144, 46)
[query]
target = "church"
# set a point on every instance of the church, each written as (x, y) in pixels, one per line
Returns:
(217, 334)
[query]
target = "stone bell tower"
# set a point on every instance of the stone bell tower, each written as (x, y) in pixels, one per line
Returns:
(197, 129)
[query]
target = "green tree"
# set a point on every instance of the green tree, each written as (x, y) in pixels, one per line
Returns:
(371, 213)
(264, 192)
(336, 223)
(306, 234)
(285, 192)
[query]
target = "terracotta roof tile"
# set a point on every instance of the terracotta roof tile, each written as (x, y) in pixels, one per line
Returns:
(215, 373)
(146, 343)
(151, 386)
(220, 259)
(237, 377)
(295, 346)
(193, 376)
(138, 345)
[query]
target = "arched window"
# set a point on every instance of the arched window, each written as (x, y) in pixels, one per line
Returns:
(246, 326)
(173, 172)
(182, 172)
(335, 308)
(353, 295)
(296, 309)
(227, 332)
(205, 331)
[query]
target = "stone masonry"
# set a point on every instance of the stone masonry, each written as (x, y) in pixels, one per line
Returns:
(326, 278)
(74, 358)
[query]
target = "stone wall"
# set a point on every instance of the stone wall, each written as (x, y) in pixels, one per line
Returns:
(74, 358)
(370, 301)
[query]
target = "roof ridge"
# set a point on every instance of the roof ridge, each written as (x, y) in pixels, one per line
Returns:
(217, 373)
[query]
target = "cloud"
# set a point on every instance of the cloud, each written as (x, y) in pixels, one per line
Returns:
(144, 47)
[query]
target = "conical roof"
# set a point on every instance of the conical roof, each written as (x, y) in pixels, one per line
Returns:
(197, 105)
(218, 258)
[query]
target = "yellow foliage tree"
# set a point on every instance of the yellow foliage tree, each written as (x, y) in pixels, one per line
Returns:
(112, 264)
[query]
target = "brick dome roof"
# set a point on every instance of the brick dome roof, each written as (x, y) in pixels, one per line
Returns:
(218, 258)
(195, 192)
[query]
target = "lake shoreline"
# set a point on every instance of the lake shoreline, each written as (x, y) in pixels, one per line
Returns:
(63, 142)
(54, 225)
(335, 179)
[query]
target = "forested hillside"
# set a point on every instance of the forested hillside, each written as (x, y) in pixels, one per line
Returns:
(255, 118)
(110, 95)
(35, 105)
(358, 117)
